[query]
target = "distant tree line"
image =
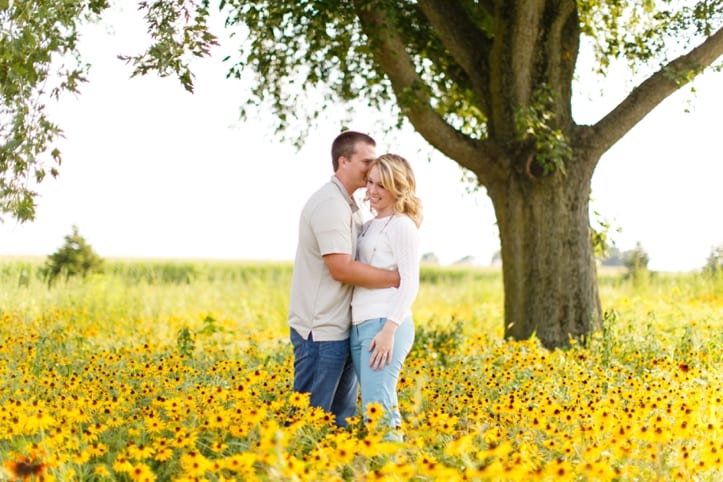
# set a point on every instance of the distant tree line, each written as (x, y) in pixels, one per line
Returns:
(76, 257)
(635, 260)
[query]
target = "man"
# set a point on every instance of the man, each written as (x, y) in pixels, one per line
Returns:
(323, 279)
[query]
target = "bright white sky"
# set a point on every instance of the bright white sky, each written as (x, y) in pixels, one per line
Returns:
(152, 171)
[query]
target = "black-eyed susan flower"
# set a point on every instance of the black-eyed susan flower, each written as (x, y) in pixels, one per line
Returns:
(101, 471)
(373, 414)
(140, 452)
(122, 464)
(195, 464)
(141, 473)
(163, 453)
(21, 467)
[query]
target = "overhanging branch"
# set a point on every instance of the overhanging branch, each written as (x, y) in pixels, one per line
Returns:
(468, 45)
(413, 98)
(655, 89)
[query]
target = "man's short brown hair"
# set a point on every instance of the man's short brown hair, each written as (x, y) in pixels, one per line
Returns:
(345, 144)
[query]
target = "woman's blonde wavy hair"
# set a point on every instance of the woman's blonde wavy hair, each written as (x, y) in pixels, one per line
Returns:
(397, 177)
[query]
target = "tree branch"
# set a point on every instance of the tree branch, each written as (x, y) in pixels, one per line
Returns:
(468, 45)
(413, 97)
(655, 89)
(562, 48)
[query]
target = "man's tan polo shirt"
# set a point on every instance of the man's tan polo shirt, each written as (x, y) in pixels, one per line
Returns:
(330, 221)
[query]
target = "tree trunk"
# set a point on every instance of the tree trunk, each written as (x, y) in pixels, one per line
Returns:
(549, 272)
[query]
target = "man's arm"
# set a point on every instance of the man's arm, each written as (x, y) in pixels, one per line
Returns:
(344, 269)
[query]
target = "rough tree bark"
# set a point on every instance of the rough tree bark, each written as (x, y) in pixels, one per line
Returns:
(549, 273)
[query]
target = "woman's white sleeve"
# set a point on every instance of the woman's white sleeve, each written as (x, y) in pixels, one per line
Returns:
(405, 246)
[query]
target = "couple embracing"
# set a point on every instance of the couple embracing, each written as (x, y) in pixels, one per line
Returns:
(354, 283)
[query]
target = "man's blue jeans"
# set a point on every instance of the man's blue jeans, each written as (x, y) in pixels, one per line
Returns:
(324, 369)
(380, 386)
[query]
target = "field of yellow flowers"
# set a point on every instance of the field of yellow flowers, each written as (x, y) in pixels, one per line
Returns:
(180, 371)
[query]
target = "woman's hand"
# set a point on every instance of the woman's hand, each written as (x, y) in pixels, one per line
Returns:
(382, 346)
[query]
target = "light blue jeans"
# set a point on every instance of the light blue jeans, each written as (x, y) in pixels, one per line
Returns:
(381, 385)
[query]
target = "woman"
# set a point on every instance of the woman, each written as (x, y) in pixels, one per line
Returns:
(382, 328)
